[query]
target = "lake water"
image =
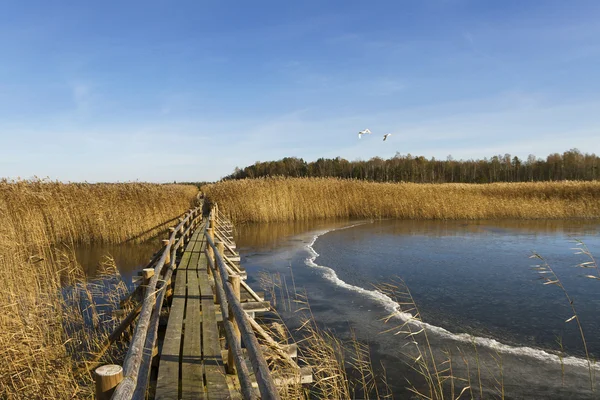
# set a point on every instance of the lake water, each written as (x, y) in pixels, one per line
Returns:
(472, 282)
(129, 257)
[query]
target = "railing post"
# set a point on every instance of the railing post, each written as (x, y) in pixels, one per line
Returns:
(168, 258)
(147, 274)
(235, 283)
(209, 251)
(169, 291)
(107, 378)
(220, 250)
(187, 231)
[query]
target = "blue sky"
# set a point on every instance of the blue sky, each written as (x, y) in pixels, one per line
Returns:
(161, 91)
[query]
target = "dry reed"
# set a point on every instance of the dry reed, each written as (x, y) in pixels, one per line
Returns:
(293, 199)
(341, 369)
(45, 297)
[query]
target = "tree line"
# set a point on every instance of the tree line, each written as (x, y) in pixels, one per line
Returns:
(570, 165)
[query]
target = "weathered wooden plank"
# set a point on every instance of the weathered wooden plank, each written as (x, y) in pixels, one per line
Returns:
(167, 385)
(248, 296)
(290, 349)
(214, 371)
(167, 382)
(198, 244)
(185, 258)
(234, 387)
(192, 384)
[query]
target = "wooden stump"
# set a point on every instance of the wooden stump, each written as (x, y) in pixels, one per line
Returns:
(107, 379)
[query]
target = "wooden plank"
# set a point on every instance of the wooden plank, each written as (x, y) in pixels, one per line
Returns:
(192, 384)
(167, 382)
(185, 258)
(247, 296)
(290, 349)
(234, 387)
(169, 366)
(199, 243)
(214, 371)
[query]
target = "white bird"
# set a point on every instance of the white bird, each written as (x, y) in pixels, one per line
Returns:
(363, 132)
(386, 136)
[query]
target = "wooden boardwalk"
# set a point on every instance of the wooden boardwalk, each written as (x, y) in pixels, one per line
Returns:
(210, 347)
(190, 365)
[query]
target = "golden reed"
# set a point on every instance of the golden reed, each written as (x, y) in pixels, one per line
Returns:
(40, 222)
(291, 199)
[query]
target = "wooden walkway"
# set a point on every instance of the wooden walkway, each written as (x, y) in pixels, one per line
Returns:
(191, 366)
(210, 347)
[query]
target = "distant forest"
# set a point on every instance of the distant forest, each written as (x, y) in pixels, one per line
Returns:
(571, 165)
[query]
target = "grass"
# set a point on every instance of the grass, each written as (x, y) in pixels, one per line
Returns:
(299, 199)
(46, 300)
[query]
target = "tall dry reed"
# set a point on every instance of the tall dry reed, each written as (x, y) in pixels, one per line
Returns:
(292, 199)
(85, 213)
(41, 221)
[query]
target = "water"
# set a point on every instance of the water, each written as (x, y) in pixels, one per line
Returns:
(471, 281)
(129, 257)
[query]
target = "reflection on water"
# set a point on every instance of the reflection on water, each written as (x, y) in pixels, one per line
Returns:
(129, 257)
(272, 235)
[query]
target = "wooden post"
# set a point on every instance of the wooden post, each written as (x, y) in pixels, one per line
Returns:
(147, 274)
(220, 250)
(209, 250)
(169, 290)
(212, 218)
(107, 379)
(165, 244)
(235, 283)
(187, 224)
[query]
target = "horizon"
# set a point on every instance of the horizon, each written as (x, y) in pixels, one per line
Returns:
(98, 92)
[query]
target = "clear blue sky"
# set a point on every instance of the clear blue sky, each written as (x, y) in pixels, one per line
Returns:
(188, 90)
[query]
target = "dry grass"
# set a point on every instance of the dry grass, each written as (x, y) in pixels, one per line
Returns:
(292, 199)
(85, 213)
(45, 297)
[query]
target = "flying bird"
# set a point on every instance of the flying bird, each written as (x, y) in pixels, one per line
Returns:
(363, 132)
(386, 136)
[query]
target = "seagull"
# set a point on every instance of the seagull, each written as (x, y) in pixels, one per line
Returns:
(386, 136)
(363, 132)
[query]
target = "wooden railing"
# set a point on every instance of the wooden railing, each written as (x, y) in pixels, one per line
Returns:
(133, 378)
(236, 321)
(136, 367)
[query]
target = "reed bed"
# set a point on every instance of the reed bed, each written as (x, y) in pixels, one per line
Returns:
(85, 213)
(294, 199)
(46, 300)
